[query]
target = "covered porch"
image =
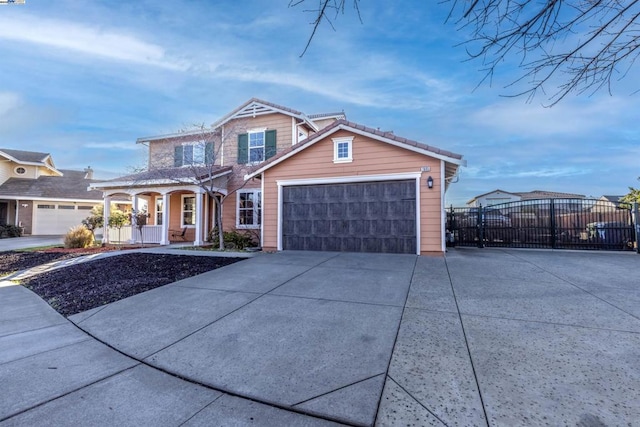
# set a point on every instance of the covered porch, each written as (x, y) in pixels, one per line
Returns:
(175, 212)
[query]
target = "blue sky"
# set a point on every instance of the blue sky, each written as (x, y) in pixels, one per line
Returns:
(83, 80)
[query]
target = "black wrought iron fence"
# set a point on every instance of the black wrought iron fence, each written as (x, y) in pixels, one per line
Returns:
(545, 223)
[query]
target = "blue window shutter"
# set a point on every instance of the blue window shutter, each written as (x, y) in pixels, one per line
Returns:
(243, 148)
(208, 153)
(177, 156)
(269, 143)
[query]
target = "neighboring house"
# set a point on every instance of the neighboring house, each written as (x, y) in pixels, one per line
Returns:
(40, 198)
(607, 203)
(310, 182)
(497, 197)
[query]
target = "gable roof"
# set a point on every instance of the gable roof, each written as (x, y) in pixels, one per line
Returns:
(252, 108)
(542, 194)
(612, 199)
(34, 158)
(387, 137)
(71, 185)
(164, 176)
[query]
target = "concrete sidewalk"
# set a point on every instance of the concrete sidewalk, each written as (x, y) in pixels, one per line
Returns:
(483, 337)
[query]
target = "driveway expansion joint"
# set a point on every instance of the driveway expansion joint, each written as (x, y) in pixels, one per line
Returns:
(416, 400)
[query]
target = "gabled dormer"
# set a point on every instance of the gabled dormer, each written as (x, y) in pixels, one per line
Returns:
(25, 164)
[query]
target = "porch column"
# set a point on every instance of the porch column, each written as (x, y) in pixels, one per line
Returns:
(164, 240)
(134, 207)
(198, 239)
(106, 212)
(207, 202)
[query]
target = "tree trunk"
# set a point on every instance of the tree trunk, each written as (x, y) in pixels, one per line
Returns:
(219, 223)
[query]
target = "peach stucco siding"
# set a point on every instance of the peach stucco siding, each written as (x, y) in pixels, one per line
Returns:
(370, 157)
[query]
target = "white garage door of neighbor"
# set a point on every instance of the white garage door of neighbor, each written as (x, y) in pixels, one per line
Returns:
(58, 218)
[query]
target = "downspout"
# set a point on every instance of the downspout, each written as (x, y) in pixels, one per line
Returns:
(443, 214)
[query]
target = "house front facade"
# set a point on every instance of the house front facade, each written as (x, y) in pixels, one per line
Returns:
(40, 198)
(299, 182)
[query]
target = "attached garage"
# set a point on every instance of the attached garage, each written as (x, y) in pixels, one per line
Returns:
(350, 188)
(351, 217)
(57, 218)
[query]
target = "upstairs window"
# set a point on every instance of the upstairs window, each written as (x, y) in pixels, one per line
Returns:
(342, 150)
(193, 154)
(256, 146)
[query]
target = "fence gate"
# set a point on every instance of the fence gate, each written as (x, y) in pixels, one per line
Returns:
(545, 223)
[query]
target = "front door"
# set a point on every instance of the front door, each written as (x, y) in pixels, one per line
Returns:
(4, 209)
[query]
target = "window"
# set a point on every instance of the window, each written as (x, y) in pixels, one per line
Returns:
(69, 207)
(188, 210)
(159, 207)
(20, 170)
(46, 206)
(256, 146)
(85, 208)
(342, 151)
(249, 209)
(193, 154)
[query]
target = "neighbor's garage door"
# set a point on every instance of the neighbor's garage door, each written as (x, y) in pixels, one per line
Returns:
(352, 217)
(57, 218)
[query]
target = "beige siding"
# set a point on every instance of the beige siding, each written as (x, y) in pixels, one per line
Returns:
(370, 157)
(280, 122)
(5, 171)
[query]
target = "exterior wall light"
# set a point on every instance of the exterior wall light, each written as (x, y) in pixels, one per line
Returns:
(430, 182)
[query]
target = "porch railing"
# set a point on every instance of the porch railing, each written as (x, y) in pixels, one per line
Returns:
(150, 234)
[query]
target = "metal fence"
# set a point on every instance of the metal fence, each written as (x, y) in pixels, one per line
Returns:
(545, 223)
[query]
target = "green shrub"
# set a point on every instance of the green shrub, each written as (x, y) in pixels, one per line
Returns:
(9, 230)
(78, 237)
(235, 239)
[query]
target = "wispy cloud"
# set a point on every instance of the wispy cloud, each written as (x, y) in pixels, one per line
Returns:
(105, 43)
(570, 118)
(8, 102)
(126, 145)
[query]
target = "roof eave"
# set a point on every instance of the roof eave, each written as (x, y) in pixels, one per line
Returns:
(343, 126)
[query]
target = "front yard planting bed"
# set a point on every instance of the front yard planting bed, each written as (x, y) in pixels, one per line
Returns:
(77, 288)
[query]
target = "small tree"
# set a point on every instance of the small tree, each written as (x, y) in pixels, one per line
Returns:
(139, 218)
(633, 196)
(95, 220)
(201, 165)
(118, 219)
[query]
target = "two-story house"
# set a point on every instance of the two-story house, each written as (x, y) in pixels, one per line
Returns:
(302, 182)
(40, 198)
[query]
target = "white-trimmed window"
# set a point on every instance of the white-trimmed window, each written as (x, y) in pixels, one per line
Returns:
(159, 208)
(256, 147)
(342, 149)
(249, 209)
(188, 214)
(193, 154)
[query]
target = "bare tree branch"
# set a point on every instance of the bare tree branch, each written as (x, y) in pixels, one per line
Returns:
(564, 46)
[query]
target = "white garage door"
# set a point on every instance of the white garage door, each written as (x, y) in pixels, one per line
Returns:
(58, 218)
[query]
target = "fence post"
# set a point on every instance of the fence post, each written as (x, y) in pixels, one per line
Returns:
(480, 226)
(635, 216)
(552, 223)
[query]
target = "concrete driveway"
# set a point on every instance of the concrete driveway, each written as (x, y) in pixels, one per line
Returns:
(483, 337)
(25, 242)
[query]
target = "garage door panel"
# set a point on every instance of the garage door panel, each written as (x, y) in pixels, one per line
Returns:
(353, 217)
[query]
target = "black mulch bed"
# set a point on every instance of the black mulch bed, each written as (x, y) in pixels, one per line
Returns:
(77, 288)
(11, 261)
